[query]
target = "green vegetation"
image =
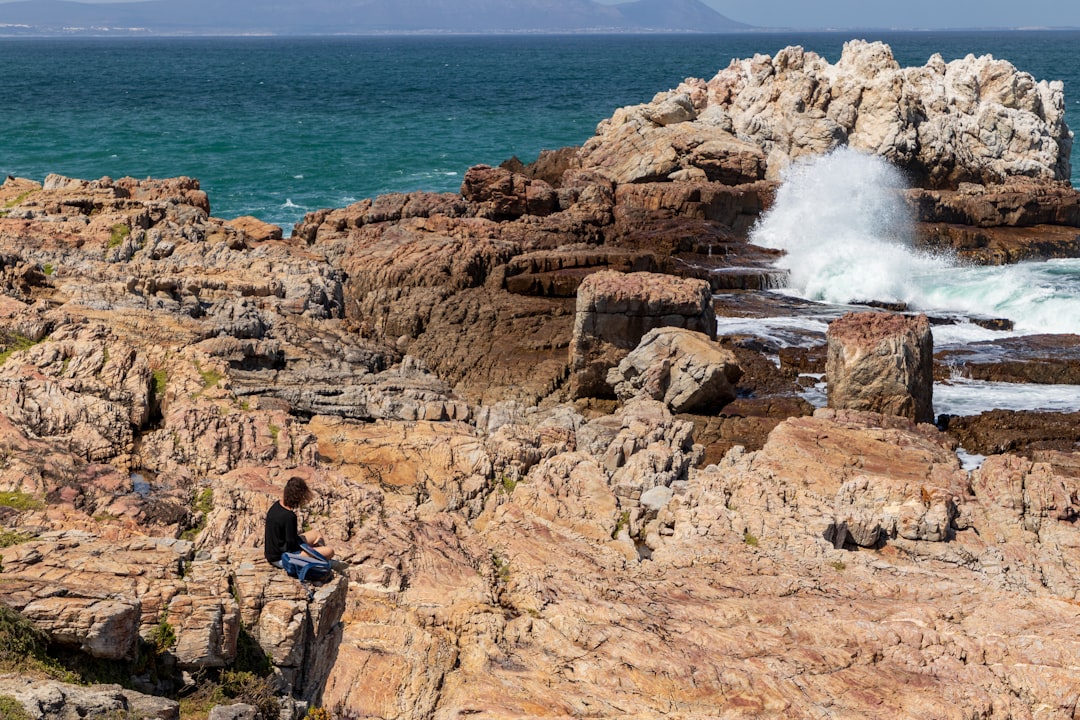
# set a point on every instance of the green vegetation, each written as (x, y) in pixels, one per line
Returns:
(23, 648)
(274, 432)
(19, 198)
(501, 565)
(210, 378)
(48, 268)
(318, 713)
(12, 709)
(120, 232)
(15, 343)
(507, 484)
(13, 537)
(163, 636)
(20, 501)
(749, 539)
(232, 686)
(838, 565)
(622, 524)
(161, 378)
(202, 503)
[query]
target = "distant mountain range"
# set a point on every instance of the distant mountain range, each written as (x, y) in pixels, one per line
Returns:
(332, 17)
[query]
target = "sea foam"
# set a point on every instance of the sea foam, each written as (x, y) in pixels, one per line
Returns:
(847, 234)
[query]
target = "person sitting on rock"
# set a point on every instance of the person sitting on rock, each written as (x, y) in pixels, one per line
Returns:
(282, 533)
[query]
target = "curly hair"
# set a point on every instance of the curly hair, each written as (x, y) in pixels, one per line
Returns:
(296, 493)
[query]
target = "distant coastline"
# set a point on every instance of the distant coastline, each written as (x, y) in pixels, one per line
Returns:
(21, 31)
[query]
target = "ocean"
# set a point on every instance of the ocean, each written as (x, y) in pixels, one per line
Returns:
(276, 127)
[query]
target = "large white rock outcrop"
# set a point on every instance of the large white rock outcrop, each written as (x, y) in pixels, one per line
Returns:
(976, 119)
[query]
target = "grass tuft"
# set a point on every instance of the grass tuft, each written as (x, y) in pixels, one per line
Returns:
(119, 233)
(20, 501)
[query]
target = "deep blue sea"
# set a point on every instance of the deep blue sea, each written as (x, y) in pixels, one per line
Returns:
(274, 127)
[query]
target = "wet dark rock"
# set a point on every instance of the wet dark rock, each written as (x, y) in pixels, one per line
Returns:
(1019, 432)
(1043, 359)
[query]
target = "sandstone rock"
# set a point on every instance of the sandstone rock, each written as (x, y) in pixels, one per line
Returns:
(684, 369)
(256, 229)
(99, 627)
(614, 311)
(883, 363)
(503, 195)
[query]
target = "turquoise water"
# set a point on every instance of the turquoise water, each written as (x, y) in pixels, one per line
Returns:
(275, 127)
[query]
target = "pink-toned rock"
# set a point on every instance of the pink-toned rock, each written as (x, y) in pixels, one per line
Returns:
(883, 363)
(615, 310)
(686, 370)
(255, 229)
(504, 195)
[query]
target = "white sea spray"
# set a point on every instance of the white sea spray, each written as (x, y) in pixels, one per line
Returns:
(847, 234)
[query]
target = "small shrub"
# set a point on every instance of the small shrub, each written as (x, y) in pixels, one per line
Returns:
(20, 501)
(119, 233)
(23, 648)
(507, 484)
(163, 636)
(838, 565)
(622, 523)
(274, 432)
(12, 709)
(501, 565)
(247, 687)
(750, 539)
(202, 503)
(318, 713)
(48, 268)
(197, 705)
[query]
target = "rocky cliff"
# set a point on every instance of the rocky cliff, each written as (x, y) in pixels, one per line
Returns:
(555, 492)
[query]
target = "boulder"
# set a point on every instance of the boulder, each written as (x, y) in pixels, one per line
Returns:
(615, 310)
(53, 700)
(881, 362)
(684, 369)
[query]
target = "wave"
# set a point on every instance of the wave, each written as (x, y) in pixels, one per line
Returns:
(847, 234)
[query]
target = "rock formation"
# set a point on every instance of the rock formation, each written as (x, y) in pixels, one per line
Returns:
(615, 310)
(970, 120)
(882, 362)
(682, 368)
(443, 368)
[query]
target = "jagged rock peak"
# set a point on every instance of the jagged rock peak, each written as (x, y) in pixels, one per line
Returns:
(975, 119)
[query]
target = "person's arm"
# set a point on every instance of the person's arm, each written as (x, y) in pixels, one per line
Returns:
(292, 537)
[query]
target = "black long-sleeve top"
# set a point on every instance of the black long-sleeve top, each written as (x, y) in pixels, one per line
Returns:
(281, 532)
